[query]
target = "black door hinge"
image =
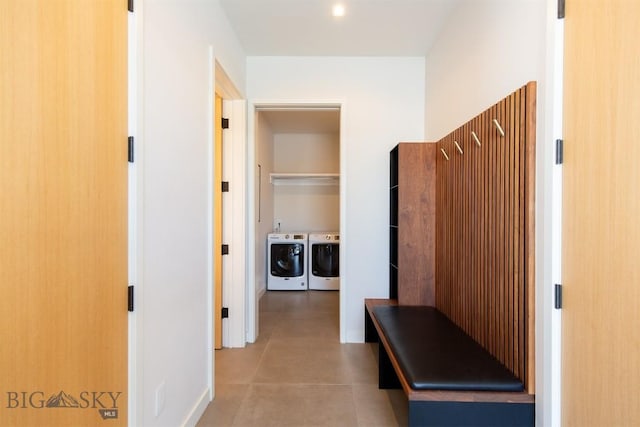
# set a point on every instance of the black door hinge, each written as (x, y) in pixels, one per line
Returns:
(130, 149)
(225, 249)
(130, 306)
(225, 313)
(560, 9)
(225, 186)
(558, 297)
(225, 123)
(130, 5)
(559, 151)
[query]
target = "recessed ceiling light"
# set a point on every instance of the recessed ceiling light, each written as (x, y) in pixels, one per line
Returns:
(338, 10)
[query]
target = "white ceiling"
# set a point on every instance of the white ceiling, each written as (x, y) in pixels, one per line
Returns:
(306, 27)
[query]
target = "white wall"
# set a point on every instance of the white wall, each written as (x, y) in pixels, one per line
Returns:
(176, 153)
(383, 104)
(307, 207)
(264, 198)
(307, 152)
(486, 51)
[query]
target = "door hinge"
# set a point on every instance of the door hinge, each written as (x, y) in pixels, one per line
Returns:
(558, 297)
(560, 9)
(225, 313)
(225, 249)
(130, 306)
(130, 149)
(559, 151)
(130, 5)
(225, 186)
(225, 123)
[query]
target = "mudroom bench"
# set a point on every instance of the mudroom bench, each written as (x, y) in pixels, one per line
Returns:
(449, 379)
(457, 333)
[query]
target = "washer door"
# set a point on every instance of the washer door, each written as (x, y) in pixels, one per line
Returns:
(287, 259)
(325, 259)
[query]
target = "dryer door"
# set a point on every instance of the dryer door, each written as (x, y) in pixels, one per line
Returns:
(325, 259)
(287, 259)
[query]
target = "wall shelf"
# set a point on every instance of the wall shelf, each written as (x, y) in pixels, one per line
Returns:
(304, 178)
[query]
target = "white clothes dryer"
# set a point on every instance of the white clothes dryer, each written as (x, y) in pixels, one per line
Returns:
(287, 258)
(324, 261)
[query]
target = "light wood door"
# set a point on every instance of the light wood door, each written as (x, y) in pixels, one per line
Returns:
(217, 223)
(601, 208)
(63, 213)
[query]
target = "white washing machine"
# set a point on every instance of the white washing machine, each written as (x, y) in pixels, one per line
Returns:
(287, 258)
(324, 261)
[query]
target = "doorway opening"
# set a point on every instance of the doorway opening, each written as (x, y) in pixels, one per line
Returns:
(227, 215)
(298, 192)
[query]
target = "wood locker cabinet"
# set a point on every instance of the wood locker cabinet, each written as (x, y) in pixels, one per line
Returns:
(412, 223)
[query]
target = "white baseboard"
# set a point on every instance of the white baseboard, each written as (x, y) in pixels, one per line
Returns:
(355, 336)
(198, 409)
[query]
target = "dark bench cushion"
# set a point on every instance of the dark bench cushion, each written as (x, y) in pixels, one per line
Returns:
(435, 354)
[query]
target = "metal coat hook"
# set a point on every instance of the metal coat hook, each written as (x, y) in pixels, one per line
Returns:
(495, 122)
(444, 153)
(475, 137)
(458, 147)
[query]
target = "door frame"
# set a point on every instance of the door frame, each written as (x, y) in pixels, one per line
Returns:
(555, 77)
(136, 210)
(233, 231)
(549, 225)
(253, 293)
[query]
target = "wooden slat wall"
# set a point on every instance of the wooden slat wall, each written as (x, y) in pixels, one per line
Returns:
(485, 230)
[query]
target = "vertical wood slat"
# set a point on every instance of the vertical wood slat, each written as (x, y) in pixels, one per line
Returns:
(512, 233)
(518, 230)
(500, 231)
(494, 280)
(529, 248)
(484, 231)
(485, 209)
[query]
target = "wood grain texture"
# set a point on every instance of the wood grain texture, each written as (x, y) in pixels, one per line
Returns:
(484, 231)
(416, 223)
(601, 212)
(63, 204)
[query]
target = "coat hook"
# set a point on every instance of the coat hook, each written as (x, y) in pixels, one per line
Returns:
(476, 138)
(458, 147)
(444, 153)
(495, 122)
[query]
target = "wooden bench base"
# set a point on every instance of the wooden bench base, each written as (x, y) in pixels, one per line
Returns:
(446, 407)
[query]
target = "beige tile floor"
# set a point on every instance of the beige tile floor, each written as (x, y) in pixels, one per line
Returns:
(298, 374)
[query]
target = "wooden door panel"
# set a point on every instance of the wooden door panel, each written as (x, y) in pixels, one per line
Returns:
(601, 210)
(63, 210)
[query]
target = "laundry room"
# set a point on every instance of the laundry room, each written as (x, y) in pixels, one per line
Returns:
(297, 198)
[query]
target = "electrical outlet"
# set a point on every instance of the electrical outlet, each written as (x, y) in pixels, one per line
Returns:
(160, 398)
(276, 225)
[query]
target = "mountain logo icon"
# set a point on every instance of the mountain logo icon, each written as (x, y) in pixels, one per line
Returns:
(62, 400)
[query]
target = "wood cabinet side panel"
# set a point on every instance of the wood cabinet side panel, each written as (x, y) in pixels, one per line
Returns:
(416, 223)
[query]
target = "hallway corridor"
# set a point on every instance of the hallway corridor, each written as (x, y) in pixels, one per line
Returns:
(298, 374)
